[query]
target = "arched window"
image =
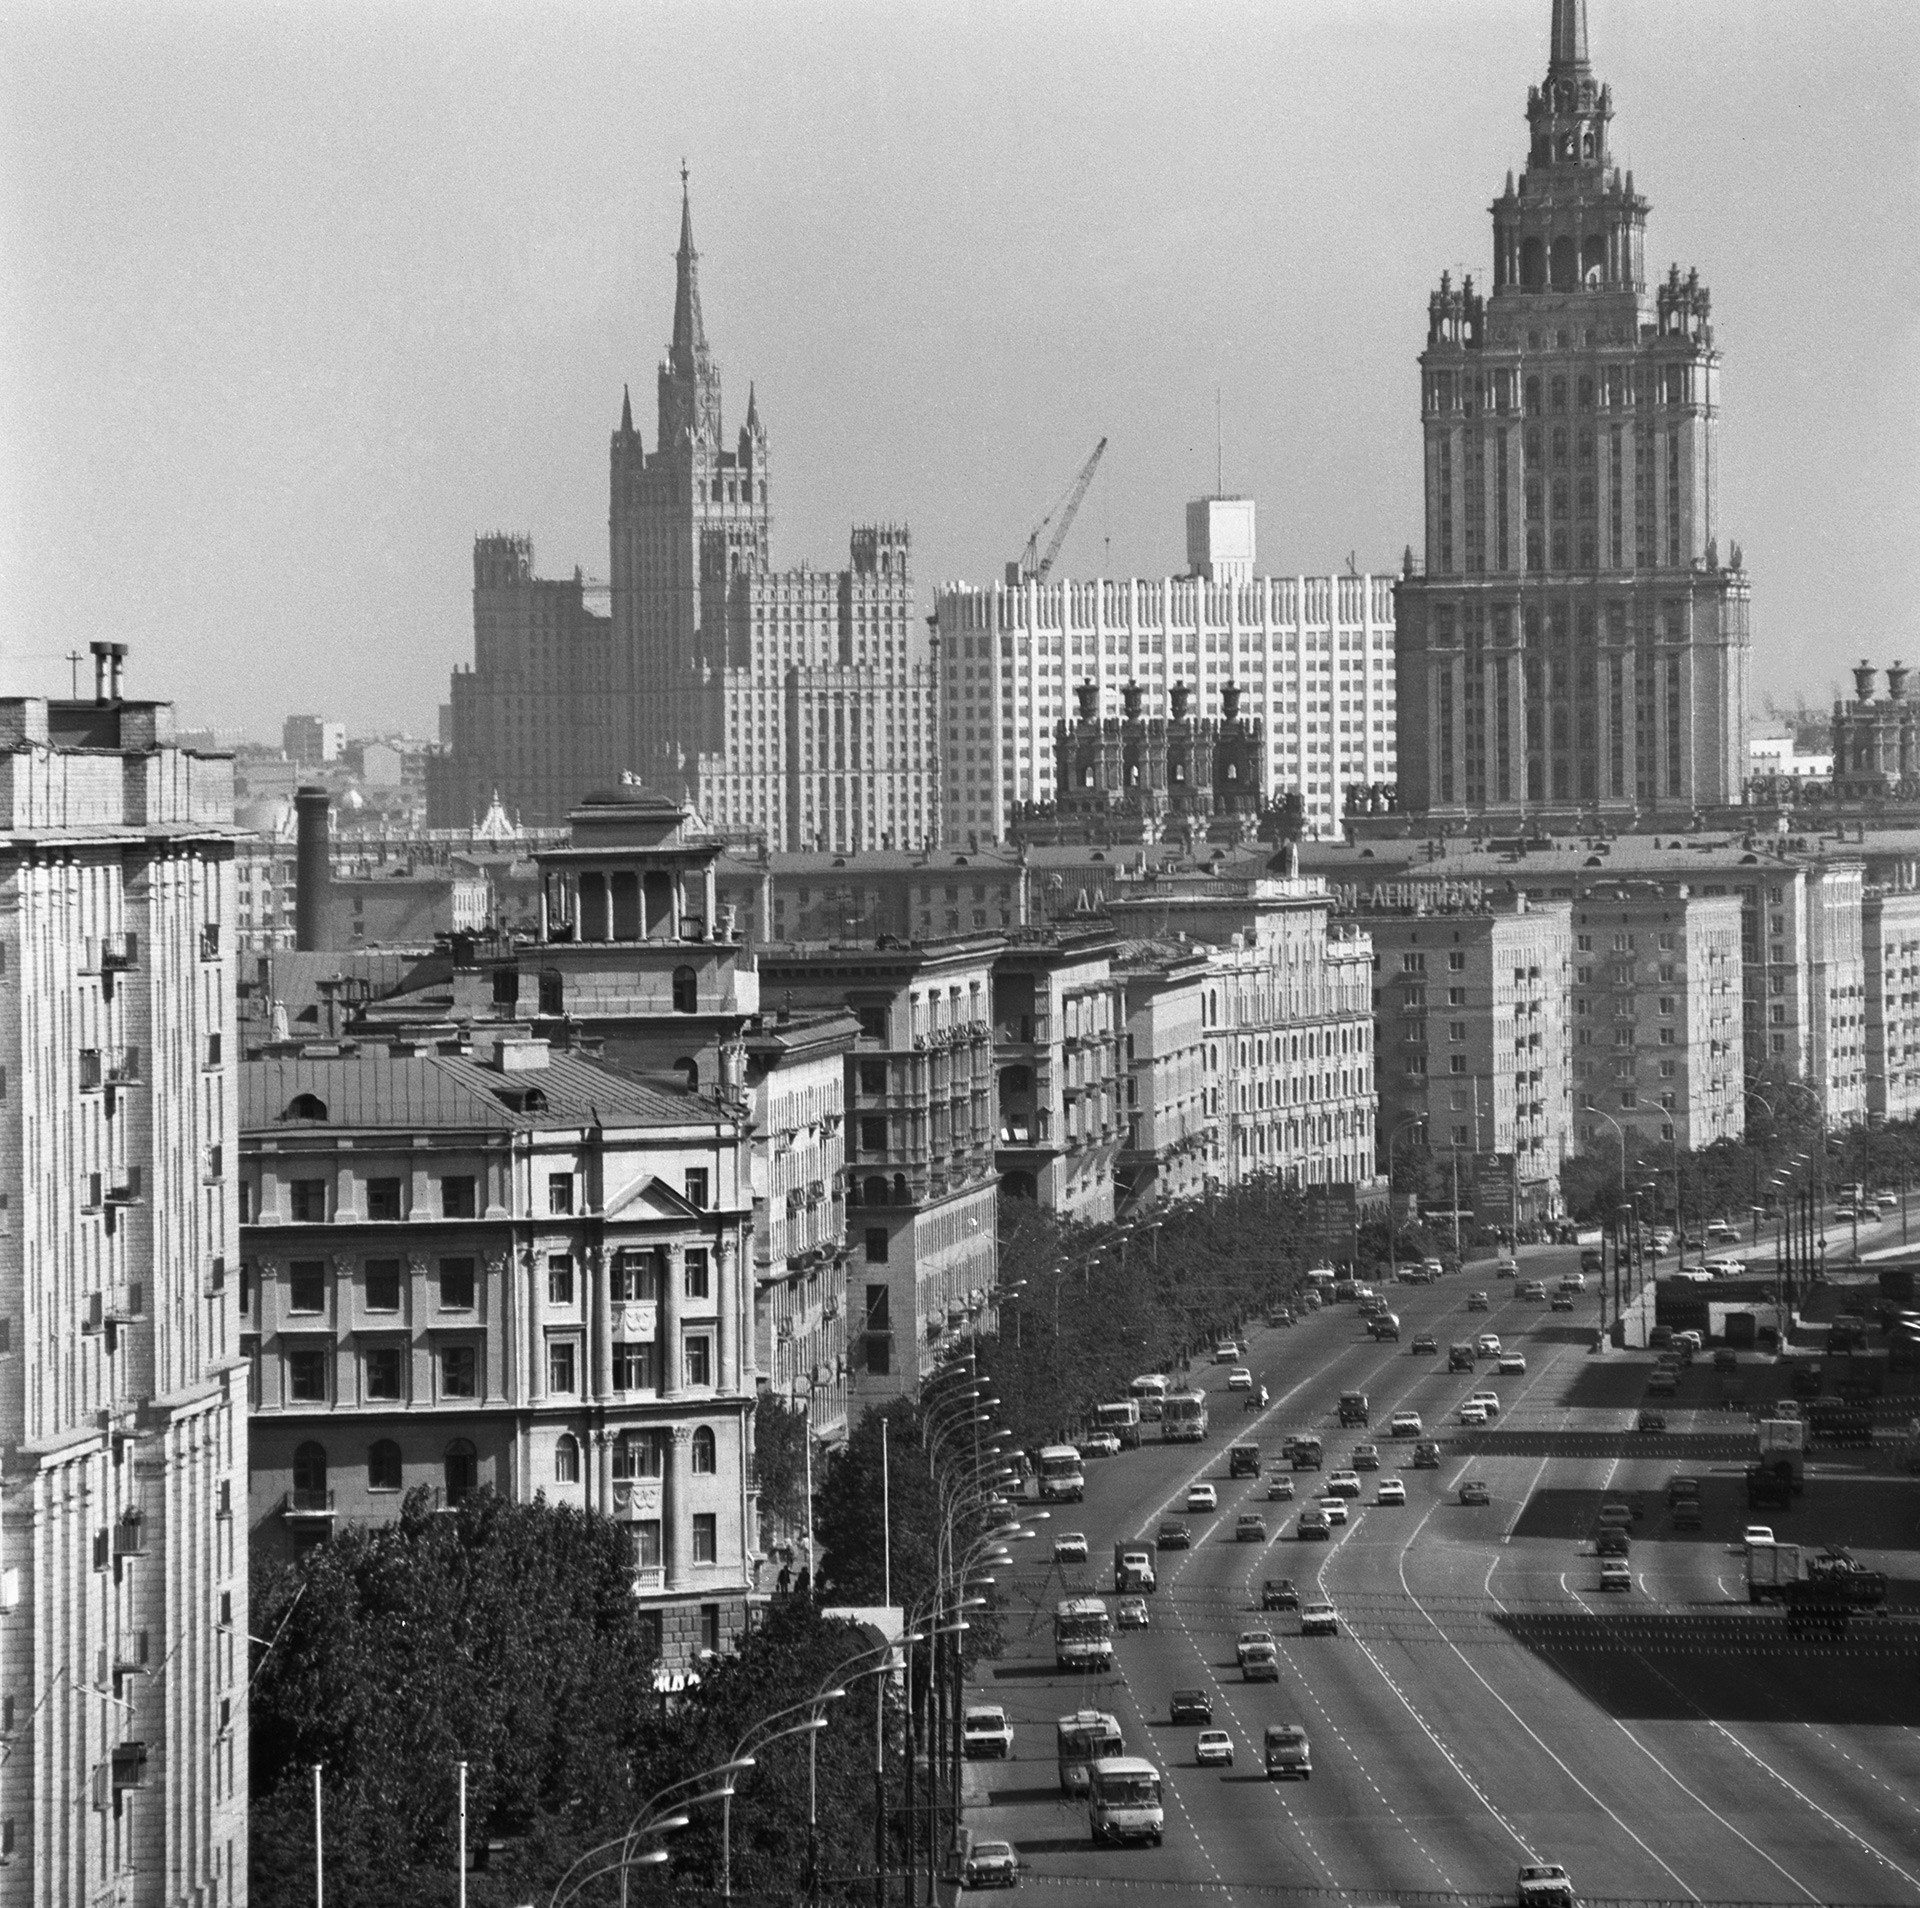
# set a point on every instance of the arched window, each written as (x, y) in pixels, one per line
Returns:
(310, 1476)
(306, 1106)
(874, 1190)
(553, 991)
(1086, 775)
(383, 1465)
(686, 991)
(462, 1469)
(705, 1455)
(689, 1071)
(900, 1194)
(566, 1459)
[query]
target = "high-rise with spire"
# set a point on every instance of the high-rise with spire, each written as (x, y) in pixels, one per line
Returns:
(794, 707)
(1575, 644)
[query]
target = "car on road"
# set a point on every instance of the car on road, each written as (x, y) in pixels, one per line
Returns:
(1213, 1748)
(1505, 1268)
(1662, 1383)
(1319, 1619)
(1405, 1424)
(1479, 1302)
(1279, 1488)
(1425, 1345)
(1756, 1534)
(1250, 1528)
(1726, 1359)
(1649, 1421)
(1611, 1540)
(990, 1865)
(1662, 1237)
(1174, 1535)
(1472, 1413)
(1342, 1484)
(1562, 1302)
(1391, 1491)
(1279, 1593)
(1227, 1352)
(1727, 1267)
(1615, 1575)
(1258, 1656)
(1845, 1215)
(1313, 1526)
(1282, 1317)
(1534, 1292)
(1511, 1365)
(1434, 1268)
(1426, 1455)
(1288, 1755)
(1203, 1497)
(985, 1731)
(1366, 1457)
(1190, 1706)
(1131, 1613)
(1334, 1508)
(1070, 1547)
(1574, 1282)
(1250, 1639)
(1680, 1485)
(1098, 1444)
(1544, 1885)
(1615, 1510)
(1240, 1378)
(1689, 1342)
(1488, 1400)
(1474, 1491)
(1488, 1344)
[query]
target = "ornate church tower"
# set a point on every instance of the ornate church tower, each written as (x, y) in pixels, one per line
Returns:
(1574, 647)
(686, 524)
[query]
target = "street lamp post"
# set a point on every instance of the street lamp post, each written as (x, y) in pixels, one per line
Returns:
(814, 1721)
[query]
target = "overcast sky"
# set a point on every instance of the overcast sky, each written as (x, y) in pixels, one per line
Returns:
(299, 298)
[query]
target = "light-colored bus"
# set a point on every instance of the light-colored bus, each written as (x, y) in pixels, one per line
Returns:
(1122, 1419)
(1183, 1418)
(1082, 1634)
(1081, 1740)
(1062, 1481)
(1150, 1393)
(1123, 1800)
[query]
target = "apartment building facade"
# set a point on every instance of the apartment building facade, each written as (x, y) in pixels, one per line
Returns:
(1890, 959)
(921, 1184)
(123, 1566)
(520, 1271)
(1168, 1140)
(922, 895)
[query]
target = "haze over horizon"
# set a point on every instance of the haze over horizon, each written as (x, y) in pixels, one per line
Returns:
(298, 301)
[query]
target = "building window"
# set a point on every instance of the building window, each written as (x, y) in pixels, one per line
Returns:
(459, 1371)
(307, 1285)
(697, 1187)
(636, 1367)
(873, 1076)
(461, 1468)
(646, 1556)
(456, 1196)
(559, 1192)
(873, 1136)
(876, 1245)
(310, 1476)
(383, 1465)
(705, 1452)
(560, 1365)
(638, 1454)
(686, 991)
(559, 1278)
(699, 1351)
(383, 1285)
(382, 1372)
(307, 1377)
(308, 1201)
(566, 1459)
(706, 1537)
(637, 1276)
(383, 1199)
(695, 1279)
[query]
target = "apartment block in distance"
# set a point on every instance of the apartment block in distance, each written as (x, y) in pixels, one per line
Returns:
(920, 1210)
(518, 1270)
(1658, 1052)
(1470, 1007)
(123, 1562)
(1890, 948)
(1313, 657)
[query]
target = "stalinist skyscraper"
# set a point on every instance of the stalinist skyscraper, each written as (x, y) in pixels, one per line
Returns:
(1575, 645)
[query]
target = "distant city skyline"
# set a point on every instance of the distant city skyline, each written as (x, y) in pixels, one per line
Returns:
(296, 303)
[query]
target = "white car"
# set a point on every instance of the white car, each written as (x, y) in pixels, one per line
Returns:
(1391, 1491)
(985, 1731)
(1756, 1534)
(1506, 1269)
(1319, 1619)
(1225, 1352)
(1240, 1379)
(1334, 1507)
(1406, 1424)
(1488, 1344)
(1203, 1497)
(1099, 1444)
(1488, 1400)
(1511, 1364)
(1131, 1613)
(1213, 1747)
(1342, 1484)
(1070, 1547)
(1471, 1413)
(1727, 1267)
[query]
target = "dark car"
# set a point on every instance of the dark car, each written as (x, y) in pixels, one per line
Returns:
(1473, 1491)
(1314, 1527)
(1174, 1536)
(1650, 1421)
(1278, 1593)
(1611, 1540)
(1191, 1706)
(1426, 1344)
(1426, 1455)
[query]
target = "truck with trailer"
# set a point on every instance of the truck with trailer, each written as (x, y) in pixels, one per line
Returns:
(1816, 1586)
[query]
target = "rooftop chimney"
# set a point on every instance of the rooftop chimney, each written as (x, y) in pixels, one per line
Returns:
(313, 867)
(108, 661)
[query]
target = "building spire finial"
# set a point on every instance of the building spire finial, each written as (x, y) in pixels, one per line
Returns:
(689, 332)
(1567, 48)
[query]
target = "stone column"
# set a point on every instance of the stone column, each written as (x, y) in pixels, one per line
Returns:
(600, 1486)
(536, 1327)
(676, 1514)
(596, 1310)
(727, 1347)
(672, 1280)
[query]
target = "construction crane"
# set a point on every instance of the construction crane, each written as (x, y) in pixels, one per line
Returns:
(1033, 565)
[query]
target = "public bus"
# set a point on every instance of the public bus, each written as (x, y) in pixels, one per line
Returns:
(1183, 1418)
(1062, 1481)
(1150, 1393)
(1082, 1634)
(1080, 1740)
(1123, 1800)
(1122, 1419)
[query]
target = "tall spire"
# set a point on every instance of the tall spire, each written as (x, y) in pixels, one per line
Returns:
(626, 411)
(1567, 47)
(689, 332)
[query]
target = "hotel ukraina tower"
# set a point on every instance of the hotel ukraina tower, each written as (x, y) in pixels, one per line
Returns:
(1575, 645)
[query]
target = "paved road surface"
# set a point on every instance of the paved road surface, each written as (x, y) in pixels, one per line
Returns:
(1485, 1702)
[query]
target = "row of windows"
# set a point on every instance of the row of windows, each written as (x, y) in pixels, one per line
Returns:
(384, 1370)
(638, 1277)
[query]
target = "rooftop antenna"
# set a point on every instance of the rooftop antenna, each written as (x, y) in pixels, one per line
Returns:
(1219, 449)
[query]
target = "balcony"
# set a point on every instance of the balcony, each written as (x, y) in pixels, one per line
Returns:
(307, 1506)
(119, 953)
(648, 1579)
(130, 1536)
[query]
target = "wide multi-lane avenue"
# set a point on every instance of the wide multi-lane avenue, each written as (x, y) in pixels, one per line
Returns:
(1484, 1703)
